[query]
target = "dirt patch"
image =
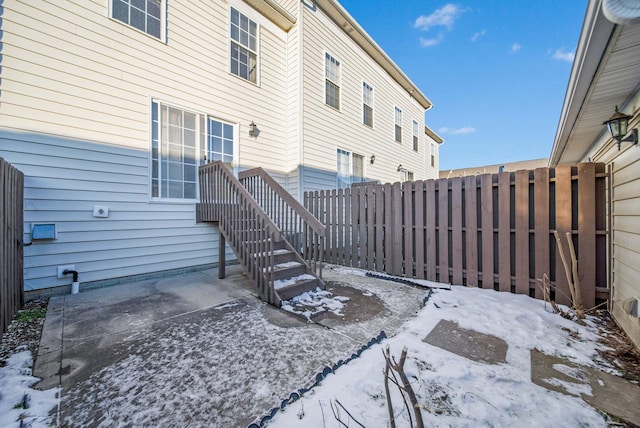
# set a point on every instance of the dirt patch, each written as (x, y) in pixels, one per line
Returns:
(623, 355)
(24, 331)
(361, 306)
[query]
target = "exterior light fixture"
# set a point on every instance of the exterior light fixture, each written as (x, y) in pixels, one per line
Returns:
(253, 129)
(617, 125)
(399, 167)
(373, 159)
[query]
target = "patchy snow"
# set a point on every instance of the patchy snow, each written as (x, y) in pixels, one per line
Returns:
(312, 303)
(16, 381)
(284, 265)
(453, 390)
(284, 283)
(360, 272)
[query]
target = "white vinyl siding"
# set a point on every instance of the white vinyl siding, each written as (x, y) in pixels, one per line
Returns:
(367, 104)
(332, 81)
(397, 135)
(244, 46)
(144, 15)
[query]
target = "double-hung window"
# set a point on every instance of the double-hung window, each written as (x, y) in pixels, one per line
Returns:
(433, 155)
(145, 15)
(332, 81)
(243, 33)
(349, 168)
(398, 126)
(406, 175)
(180, 141)
(367, 104)
(415, 135)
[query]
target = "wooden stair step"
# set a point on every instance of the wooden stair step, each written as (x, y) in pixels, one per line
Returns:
(286, 270)
(295, 286)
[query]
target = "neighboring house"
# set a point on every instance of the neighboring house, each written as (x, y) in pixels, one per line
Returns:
(494, 169)
(606, 74)
(109, 107)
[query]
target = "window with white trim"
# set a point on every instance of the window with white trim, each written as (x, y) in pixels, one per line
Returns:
(398, 126)
(332, 81)
(415, 135)
(180, 141)
(349, 168)
(433, 155)
(243, 33)
(406, 175)
(367, 104)
(145, 15)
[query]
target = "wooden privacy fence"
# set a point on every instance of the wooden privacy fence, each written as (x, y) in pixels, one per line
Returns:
(11, 259)
(492, 231)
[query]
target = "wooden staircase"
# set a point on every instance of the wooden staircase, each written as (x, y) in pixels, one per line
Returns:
(278, 241)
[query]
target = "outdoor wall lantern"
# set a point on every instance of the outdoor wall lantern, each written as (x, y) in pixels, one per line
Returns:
(617, 125)
(399, 168)
(373, 159)
(253, 129)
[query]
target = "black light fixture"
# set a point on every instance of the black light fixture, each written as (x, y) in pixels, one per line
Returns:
(399, 167)
(617, 125)
(373, 159)
(253, 129)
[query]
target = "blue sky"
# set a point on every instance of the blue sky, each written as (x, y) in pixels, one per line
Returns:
(495, 70)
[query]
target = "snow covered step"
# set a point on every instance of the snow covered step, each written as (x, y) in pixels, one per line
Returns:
(291, 287)
(280, 256)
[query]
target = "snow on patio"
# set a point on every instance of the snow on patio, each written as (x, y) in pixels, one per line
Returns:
(453, 390)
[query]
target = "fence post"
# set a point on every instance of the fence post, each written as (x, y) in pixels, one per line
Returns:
(471, 229)
(587, 233)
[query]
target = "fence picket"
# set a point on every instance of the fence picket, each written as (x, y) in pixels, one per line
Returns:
(493, 231)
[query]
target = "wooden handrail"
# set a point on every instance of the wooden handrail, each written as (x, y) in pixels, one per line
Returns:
(304, 213)
(238, 187)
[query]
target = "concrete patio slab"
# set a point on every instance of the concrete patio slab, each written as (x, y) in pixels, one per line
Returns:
(467, 343)
(198, 351)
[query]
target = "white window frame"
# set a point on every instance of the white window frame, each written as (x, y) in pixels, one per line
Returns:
(406, 175)
(202, 151)
(367, 102)
(351, 179)
(163, 19)
(328, 79)
(397, 114)
(416, 136)
(244, 47)
(433, 155)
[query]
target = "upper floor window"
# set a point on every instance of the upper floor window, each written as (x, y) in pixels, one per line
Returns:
(367, 104)
(415, 135)
(332, 81)
(244, 46)
(398, 121)
(433, 155)
(145, 15)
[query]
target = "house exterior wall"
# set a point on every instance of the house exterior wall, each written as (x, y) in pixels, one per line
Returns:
(76, 118)
(325, 129)
(625, 225)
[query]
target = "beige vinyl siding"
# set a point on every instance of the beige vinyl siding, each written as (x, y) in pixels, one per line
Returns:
(70, 70)
(626, 238)
(325, 129)
(625, 227)
(294, 114)
(75, 118)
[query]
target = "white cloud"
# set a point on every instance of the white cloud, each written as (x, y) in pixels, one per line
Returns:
(444, 17)
(427, 43)
(515, 47)
(478, 35)
(457, 131)
(561, 55)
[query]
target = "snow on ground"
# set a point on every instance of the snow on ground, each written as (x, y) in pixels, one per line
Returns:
(16, 381)
(453, 390)
(312, 303)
